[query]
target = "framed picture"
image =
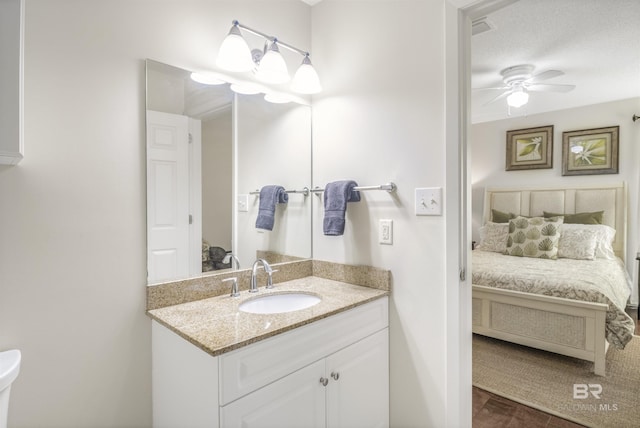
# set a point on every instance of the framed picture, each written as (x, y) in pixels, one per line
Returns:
(530, 148)
(590, 151)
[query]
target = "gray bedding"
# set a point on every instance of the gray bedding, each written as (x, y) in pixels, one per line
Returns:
(600, 280)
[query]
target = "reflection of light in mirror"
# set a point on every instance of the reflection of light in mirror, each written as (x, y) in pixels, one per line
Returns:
(277, 98)
(577, 149)
(207, 78)
(246, 88)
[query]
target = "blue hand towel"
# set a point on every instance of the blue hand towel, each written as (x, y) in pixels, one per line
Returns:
(269, 197)
(336, 196)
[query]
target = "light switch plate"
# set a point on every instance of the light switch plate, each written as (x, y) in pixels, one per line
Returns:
(385, 232)
(243, 203)
(428, 201)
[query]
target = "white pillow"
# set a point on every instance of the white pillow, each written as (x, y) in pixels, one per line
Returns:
(577, 243)
(493, 237)
(604, 238)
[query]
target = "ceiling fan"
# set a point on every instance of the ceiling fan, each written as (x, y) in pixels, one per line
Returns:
(519, 80)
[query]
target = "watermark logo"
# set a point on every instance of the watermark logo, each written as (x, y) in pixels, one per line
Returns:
(582, 391)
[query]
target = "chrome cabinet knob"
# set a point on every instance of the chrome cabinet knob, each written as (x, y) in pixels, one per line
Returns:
(324, 381)
(335, 375)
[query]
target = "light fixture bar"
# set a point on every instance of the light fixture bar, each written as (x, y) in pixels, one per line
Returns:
(270, 38)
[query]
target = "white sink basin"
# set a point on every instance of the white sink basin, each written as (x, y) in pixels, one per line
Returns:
(279, 303)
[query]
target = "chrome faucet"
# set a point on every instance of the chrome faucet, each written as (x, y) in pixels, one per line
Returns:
(254, 274)
(230, 258)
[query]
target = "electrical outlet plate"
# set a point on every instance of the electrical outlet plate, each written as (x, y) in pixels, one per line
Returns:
(243, 203)
(385, 232)
(429, 201)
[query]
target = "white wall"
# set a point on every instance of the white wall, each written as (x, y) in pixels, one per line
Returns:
(72, 218)
(488, 159)
(381, 118)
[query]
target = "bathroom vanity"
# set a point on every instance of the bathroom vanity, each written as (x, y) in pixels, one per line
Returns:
(324, 366)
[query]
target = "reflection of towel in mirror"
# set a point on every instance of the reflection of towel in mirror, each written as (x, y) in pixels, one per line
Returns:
(336, 196)
(269, 197)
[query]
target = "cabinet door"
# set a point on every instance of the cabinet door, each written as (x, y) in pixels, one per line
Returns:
(295, 401)
(358, 389)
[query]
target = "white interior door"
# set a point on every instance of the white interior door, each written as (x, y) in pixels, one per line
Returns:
(167, 196)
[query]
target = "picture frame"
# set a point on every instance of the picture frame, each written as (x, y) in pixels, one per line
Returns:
(590, 151)
(530, 148)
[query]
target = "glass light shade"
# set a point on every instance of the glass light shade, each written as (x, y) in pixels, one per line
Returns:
(206, 78)
(306, 80)
(272, 68)
(235, 54)
(277, 98)
(245, 88)
(518, 98)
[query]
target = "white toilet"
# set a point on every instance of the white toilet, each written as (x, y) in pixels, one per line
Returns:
(9, 369)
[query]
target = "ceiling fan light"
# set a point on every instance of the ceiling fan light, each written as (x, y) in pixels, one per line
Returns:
(518, 98)
(273, 68)
(234, 54)
(306, 80)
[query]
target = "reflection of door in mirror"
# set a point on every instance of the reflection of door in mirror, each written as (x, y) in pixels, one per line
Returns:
(189, 178)
(202, 143)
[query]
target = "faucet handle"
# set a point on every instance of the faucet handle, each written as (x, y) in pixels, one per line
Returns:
(270, 278)
(234, 286)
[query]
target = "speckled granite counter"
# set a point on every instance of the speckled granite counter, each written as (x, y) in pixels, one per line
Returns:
(217, 326)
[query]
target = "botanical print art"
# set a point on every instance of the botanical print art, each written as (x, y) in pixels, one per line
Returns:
(590, 151)
(530, 148)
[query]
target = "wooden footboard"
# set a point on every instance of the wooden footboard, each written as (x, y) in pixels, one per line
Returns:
(564, 326)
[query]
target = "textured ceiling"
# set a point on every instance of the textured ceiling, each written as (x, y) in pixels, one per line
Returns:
(596, 43)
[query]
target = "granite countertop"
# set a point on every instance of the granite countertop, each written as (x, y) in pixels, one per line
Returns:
(216, 326)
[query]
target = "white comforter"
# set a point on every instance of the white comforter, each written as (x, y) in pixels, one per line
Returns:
(600, 280)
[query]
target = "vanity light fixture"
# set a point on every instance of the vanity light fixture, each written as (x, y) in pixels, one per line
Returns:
(277, 98)
(268, 63)
(207, 78)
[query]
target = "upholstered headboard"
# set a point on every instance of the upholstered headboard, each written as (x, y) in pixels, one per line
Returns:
(612, 199)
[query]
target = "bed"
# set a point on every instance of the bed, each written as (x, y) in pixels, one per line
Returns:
(569, 306)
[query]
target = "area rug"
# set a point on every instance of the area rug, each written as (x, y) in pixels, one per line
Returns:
(562, 386)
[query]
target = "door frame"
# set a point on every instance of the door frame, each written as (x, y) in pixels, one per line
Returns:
(458, 17)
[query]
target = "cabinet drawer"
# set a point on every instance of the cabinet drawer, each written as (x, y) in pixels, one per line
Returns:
(254, 366)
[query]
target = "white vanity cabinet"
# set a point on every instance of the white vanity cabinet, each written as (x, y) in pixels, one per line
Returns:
(333, 372)
(347, 389)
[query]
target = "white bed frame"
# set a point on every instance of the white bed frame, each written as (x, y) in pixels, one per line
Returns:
(564, 326)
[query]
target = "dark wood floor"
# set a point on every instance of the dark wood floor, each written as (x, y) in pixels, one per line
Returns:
(493, 411)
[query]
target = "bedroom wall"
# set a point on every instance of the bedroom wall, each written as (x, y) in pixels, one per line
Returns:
(488, 142)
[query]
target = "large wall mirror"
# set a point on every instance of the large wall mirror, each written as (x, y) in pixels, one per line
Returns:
(209, 152)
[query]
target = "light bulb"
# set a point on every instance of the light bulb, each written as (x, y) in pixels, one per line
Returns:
(272, 68)
(518, 97)
(306, 80)
(235, 54)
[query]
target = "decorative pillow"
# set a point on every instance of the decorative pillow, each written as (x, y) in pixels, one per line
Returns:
(534, 237)
(579, 218)
(604, 238)
(493, 237)
(577, 242)
(501, 216)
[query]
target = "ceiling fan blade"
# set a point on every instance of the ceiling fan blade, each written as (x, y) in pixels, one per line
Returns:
(544, 76)
(541, 87)
(499, 97)
(501, 88)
